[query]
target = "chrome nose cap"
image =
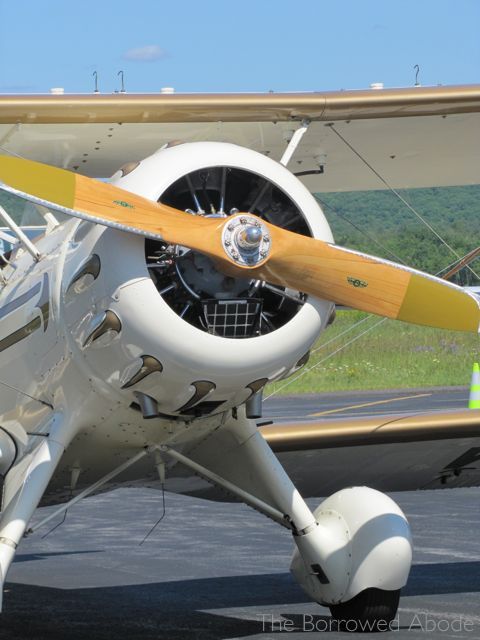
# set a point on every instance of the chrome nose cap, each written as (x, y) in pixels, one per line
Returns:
(250, 237)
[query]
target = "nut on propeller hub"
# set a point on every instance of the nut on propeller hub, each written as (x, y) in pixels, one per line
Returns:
(249, 237)
(245, 240)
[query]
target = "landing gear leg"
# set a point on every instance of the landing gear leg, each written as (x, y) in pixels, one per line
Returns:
(356, 540)
(25, 484)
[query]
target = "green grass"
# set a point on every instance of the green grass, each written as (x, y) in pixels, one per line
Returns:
(391, 355)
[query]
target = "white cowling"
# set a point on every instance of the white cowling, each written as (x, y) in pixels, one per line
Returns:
(188, 355)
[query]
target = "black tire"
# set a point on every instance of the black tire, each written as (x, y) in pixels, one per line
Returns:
(370, 610)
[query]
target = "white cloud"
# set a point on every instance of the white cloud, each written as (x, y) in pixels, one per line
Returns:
(148, 53)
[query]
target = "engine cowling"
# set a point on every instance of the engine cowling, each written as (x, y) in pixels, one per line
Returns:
(193, 339)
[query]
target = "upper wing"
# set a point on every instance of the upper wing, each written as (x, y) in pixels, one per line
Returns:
(390, 453)
(413, 137)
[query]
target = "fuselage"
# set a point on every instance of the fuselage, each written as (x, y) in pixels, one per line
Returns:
(85, 331)
(135, 342)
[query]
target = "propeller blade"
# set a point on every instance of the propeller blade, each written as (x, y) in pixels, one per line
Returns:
(103, 203)
(367, 283)
(315, 267)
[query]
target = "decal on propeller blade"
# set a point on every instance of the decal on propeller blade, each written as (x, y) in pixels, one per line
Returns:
(122, 203)
(356, 282)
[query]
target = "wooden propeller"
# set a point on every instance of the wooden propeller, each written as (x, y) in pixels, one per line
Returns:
(315, 267)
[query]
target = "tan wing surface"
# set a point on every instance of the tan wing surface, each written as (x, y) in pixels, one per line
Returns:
(378, 429)
(390, 453)
(414, 137)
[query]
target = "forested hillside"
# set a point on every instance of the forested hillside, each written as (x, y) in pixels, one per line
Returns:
(361, 220)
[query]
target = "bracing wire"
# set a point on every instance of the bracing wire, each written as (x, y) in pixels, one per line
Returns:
(339, 335)
(12, 153)
(27, 395)
(359, 229)
(158, 521)
(330, 355)
(59, 524)
(399, 196)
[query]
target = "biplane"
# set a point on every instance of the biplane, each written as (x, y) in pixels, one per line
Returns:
(178, 263)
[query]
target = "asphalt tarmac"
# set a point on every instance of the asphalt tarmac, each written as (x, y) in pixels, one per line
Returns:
(215, 571)
(364, 403)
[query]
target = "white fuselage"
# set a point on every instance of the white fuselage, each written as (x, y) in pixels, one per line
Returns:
(46, 354)
(85, 330)
(99, 371)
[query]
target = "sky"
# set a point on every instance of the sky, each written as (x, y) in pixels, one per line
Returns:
(227, 45)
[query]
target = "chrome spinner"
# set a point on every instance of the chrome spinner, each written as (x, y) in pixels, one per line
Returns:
(246, 240)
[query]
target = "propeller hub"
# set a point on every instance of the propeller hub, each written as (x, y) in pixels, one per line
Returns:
(246, 240)
(249, 237)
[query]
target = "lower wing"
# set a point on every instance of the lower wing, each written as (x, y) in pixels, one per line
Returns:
(389, 453)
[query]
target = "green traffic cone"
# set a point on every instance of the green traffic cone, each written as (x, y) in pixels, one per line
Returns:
(474, 399)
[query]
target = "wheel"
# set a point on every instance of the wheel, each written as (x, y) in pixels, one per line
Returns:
(370, 610)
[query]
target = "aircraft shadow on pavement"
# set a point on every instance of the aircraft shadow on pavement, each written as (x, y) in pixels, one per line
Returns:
(27, 557)
(185, 608)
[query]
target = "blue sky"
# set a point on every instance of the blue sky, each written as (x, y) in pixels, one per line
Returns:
(246, 45)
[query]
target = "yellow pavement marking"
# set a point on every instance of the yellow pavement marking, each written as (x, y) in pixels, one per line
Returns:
(367, 404)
